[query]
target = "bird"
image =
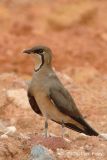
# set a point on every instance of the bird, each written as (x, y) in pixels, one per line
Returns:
(49, 98)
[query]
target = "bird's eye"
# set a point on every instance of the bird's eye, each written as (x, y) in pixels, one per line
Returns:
(39, 51)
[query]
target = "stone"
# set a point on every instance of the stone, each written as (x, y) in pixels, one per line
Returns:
(39, 152)
(18, 97)
(103, 136)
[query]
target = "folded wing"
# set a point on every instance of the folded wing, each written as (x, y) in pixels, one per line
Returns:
(65, 104)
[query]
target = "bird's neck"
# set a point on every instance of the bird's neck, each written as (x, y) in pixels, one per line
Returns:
(39, 62)
(42, 72)
(37, 67)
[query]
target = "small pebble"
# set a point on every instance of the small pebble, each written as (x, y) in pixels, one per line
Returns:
(103, 136)
(4, 136)
(39, 152)
(10, 130)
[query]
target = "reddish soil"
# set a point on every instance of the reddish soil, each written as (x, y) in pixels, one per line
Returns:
(76, 31)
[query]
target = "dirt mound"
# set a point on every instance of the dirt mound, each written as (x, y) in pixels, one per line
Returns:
(91, 100)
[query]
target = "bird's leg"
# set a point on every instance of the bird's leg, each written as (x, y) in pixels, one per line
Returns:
(46, 127)
(63, 129)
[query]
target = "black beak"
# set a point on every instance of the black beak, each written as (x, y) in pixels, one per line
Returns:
(28, 51)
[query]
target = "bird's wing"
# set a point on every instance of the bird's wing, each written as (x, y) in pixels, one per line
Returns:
(65, 104)
(34, 104)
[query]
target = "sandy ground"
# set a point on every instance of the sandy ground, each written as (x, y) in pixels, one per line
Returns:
(76, 31)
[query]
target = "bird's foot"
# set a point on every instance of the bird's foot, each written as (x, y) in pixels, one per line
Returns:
(45, 135)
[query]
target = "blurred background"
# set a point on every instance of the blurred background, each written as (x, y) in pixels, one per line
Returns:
(76, 31)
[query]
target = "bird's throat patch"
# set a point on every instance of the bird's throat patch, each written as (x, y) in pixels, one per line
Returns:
(39, 62)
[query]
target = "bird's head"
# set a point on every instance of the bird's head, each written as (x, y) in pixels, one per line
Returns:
(42, 54)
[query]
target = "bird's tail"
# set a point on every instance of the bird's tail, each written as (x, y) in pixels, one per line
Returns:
(83, 127)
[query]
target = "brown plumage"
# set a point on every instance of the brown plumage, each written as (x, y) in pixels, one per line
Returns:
(49, 98)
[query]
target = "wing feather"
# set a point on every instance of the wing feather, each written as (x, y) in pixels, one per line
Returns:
(64, 102)
(34, 104)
